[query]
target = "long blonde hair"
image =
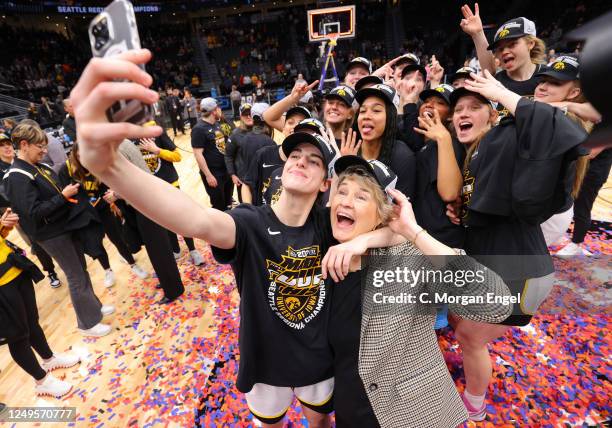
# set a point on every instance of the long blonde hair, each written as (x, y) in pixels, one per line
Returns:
(538, 52)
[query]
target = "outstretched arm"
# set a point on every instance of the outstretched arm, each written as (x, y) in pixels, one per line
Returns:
(97, 89)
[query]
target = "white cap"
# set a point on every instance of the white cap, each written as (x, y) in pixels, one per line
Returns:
(258, 110)
(208, 105)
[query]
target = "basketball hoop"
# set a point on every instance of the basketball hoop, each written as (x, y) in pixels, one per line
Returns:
(332, 39)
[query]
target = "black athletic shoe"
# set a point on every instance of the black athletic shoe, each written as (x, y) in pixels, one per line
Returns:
(54, 280)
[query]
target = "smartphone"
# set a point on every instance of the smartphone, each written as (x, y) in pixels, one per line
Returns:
(112, 32)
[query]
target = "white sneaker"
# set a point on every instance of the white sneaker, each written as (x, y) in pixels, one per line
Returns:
(53, 386)
(196, 257)
(177, 256)
(139, 272)
(109, 278)
(60, 361)
(97, 330)
(107, 309)
(572, 249)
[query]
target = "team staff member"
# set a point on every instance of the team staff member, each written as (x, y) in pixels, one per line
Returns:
(160, 154)
(234, 160)
(377, 126)
(505, 197)
(208, 142)
(7, 154)
(95, 191)
(520, 53)
(376, 358)
(438, 168)
(190, 109)
(43, 209)
(19, 317)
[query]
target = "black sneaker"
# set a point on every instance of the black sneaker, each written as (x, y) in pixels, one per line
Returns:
(54, 280)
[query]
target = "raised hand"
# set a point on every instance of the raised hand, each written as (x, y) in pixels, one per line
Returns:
(349, 144)
(301, 89)
(149, 145)
(432, 127)
(97, 89)
(403, 222)
(471, 23)
(408, 92)
(486, 85)
(436, 72)
(386, 68)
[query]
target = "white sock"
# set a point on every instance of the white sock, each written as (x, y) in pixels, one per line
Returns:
(475, 400)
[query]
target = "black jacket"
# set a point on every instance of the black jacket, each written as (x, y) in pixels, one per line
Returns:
(42, 209)
(405, 128)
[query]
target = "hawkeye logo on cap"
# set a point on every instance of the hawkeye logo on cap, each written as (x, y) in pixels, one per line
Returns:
(440, 89)
(559, 66)
(341, 92)
(503, 33)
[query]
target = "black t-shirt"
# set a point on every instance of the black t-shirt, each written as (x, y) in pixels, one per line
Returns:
(525, 88)
(351, 403)
(403, 164)
(284, 308)
(4, 167)
(212, 139)
(250, 144)
(429, 208)
(160, 167)
(260, 171)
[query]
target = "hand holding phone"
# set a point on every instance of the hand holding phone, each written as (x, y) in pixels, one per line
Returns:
(111, 33)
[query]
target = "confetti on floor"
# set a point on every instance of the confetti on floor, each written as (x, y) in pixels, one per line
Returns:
(556, 372)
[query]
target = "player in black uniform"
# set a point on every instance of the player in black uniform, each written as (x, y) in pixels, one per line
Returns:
(234, 160)
(283, 115)
(438, 167)
(160, 154)
(377, 126)
(208, 142)
(513, 180)
(520, 53)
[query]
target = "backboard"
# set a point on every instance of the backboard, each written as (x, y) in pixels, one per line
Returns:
(336, 21)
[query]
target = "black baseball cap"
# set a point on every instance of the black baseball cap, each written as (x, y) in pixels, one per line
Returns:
(344, 93)
(298, 110)
(378, 170)
(513, 29)
(463, 72)
(463, 92)
(297, 138)
(245, 108)
(407, 58)
(442, 91)
(386, 92)
(563, 68)
(368, 80)
(412, 67)
(359, 62)
(312, 124)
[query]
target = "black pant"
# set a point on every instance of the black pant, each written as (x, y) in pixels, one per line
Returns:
(157, 244)
(192, 122)
(596, 176)
(175, 243)
(45, 259)
(236, 109)
(113, 231)
(177, 123)
(20, 293)
(220, 196)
